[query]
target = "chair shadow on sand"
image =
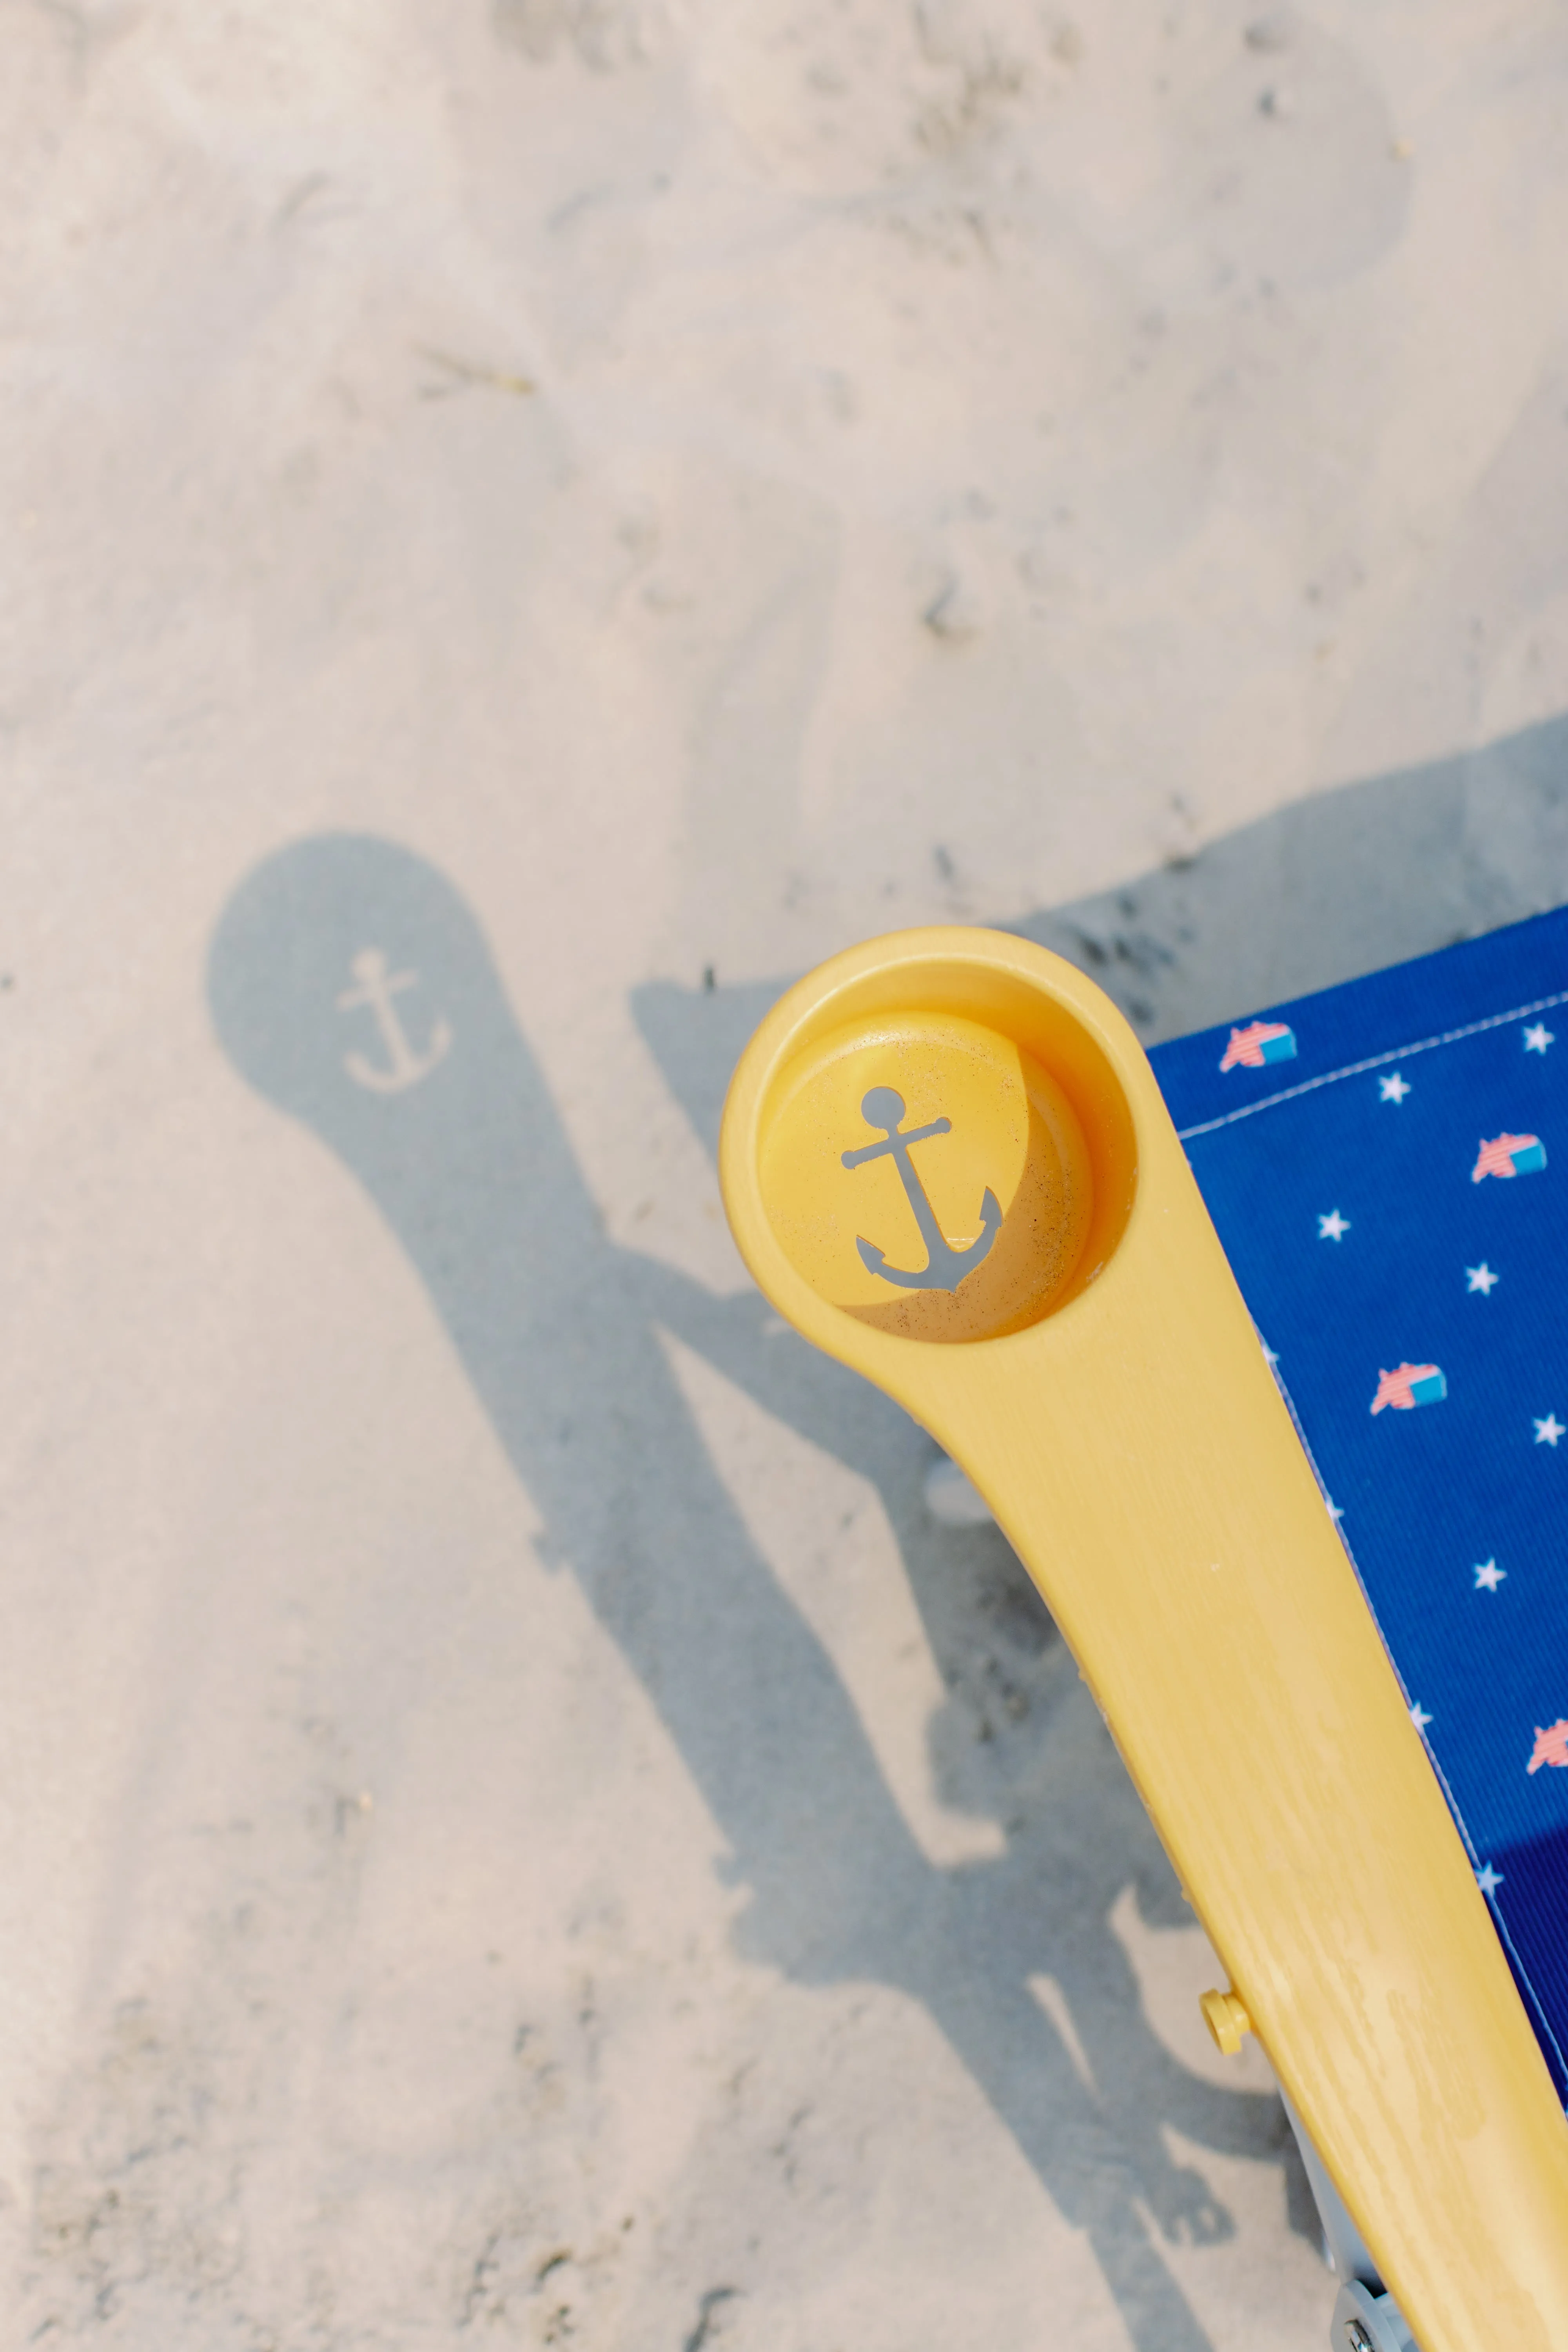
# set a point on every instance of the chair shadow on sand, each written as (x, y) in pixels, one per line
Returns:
(447, 1123)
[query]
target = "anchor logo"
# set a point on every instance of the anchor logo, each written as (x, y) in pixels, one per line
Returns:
(945, 1267)
(374, 988)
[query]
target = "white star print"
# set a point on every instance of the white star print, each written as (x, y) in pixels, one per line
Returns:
(1419, 1717)
(1333, 1227)
(1395, 1089)
(1334, 1512)
(1269, 1358)
(1537, 1038)
(1480, 1277)
(1488, 1575)
(1548, 1431)
(1489, 1880)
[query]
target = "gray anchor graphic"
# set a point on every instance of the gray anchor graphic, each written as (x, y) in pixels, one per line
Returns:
(946, 1268)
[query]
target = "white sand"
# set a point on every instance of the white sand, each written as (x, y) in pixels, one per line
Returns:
(715, 480)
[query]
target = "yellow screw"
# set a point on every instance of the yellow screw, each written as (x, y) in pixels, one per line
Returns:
(1226, 2019)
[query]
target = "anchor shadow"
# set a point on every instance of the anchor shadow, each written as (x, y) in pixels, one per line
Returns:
(559, 1330)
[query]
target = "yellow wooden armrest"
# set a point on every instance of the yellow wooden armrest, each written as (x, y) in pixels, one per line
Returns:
(1060, 1315)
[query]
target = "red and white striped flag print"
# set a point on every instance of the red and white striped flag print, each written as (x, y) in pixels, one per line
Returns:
(1507, 1155)
(1259, 1042)
(1408, 1386)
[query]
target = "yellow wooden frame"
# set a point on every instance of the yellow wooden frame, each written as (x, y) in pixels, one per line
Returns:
(1136, 1450)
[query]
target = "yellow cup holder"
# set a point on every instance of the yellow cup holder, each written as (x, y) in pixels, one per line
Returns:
(940, 1150)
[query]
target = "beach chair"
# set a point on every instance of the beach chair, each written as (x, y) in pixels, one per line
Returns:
(1298, 1533)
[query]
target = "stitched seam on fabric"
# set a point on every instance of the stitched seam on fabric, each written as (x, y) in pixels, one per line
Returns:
(1289, 1402)
(1374, 1062)
(1521, 1974)
(1521, 1977)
